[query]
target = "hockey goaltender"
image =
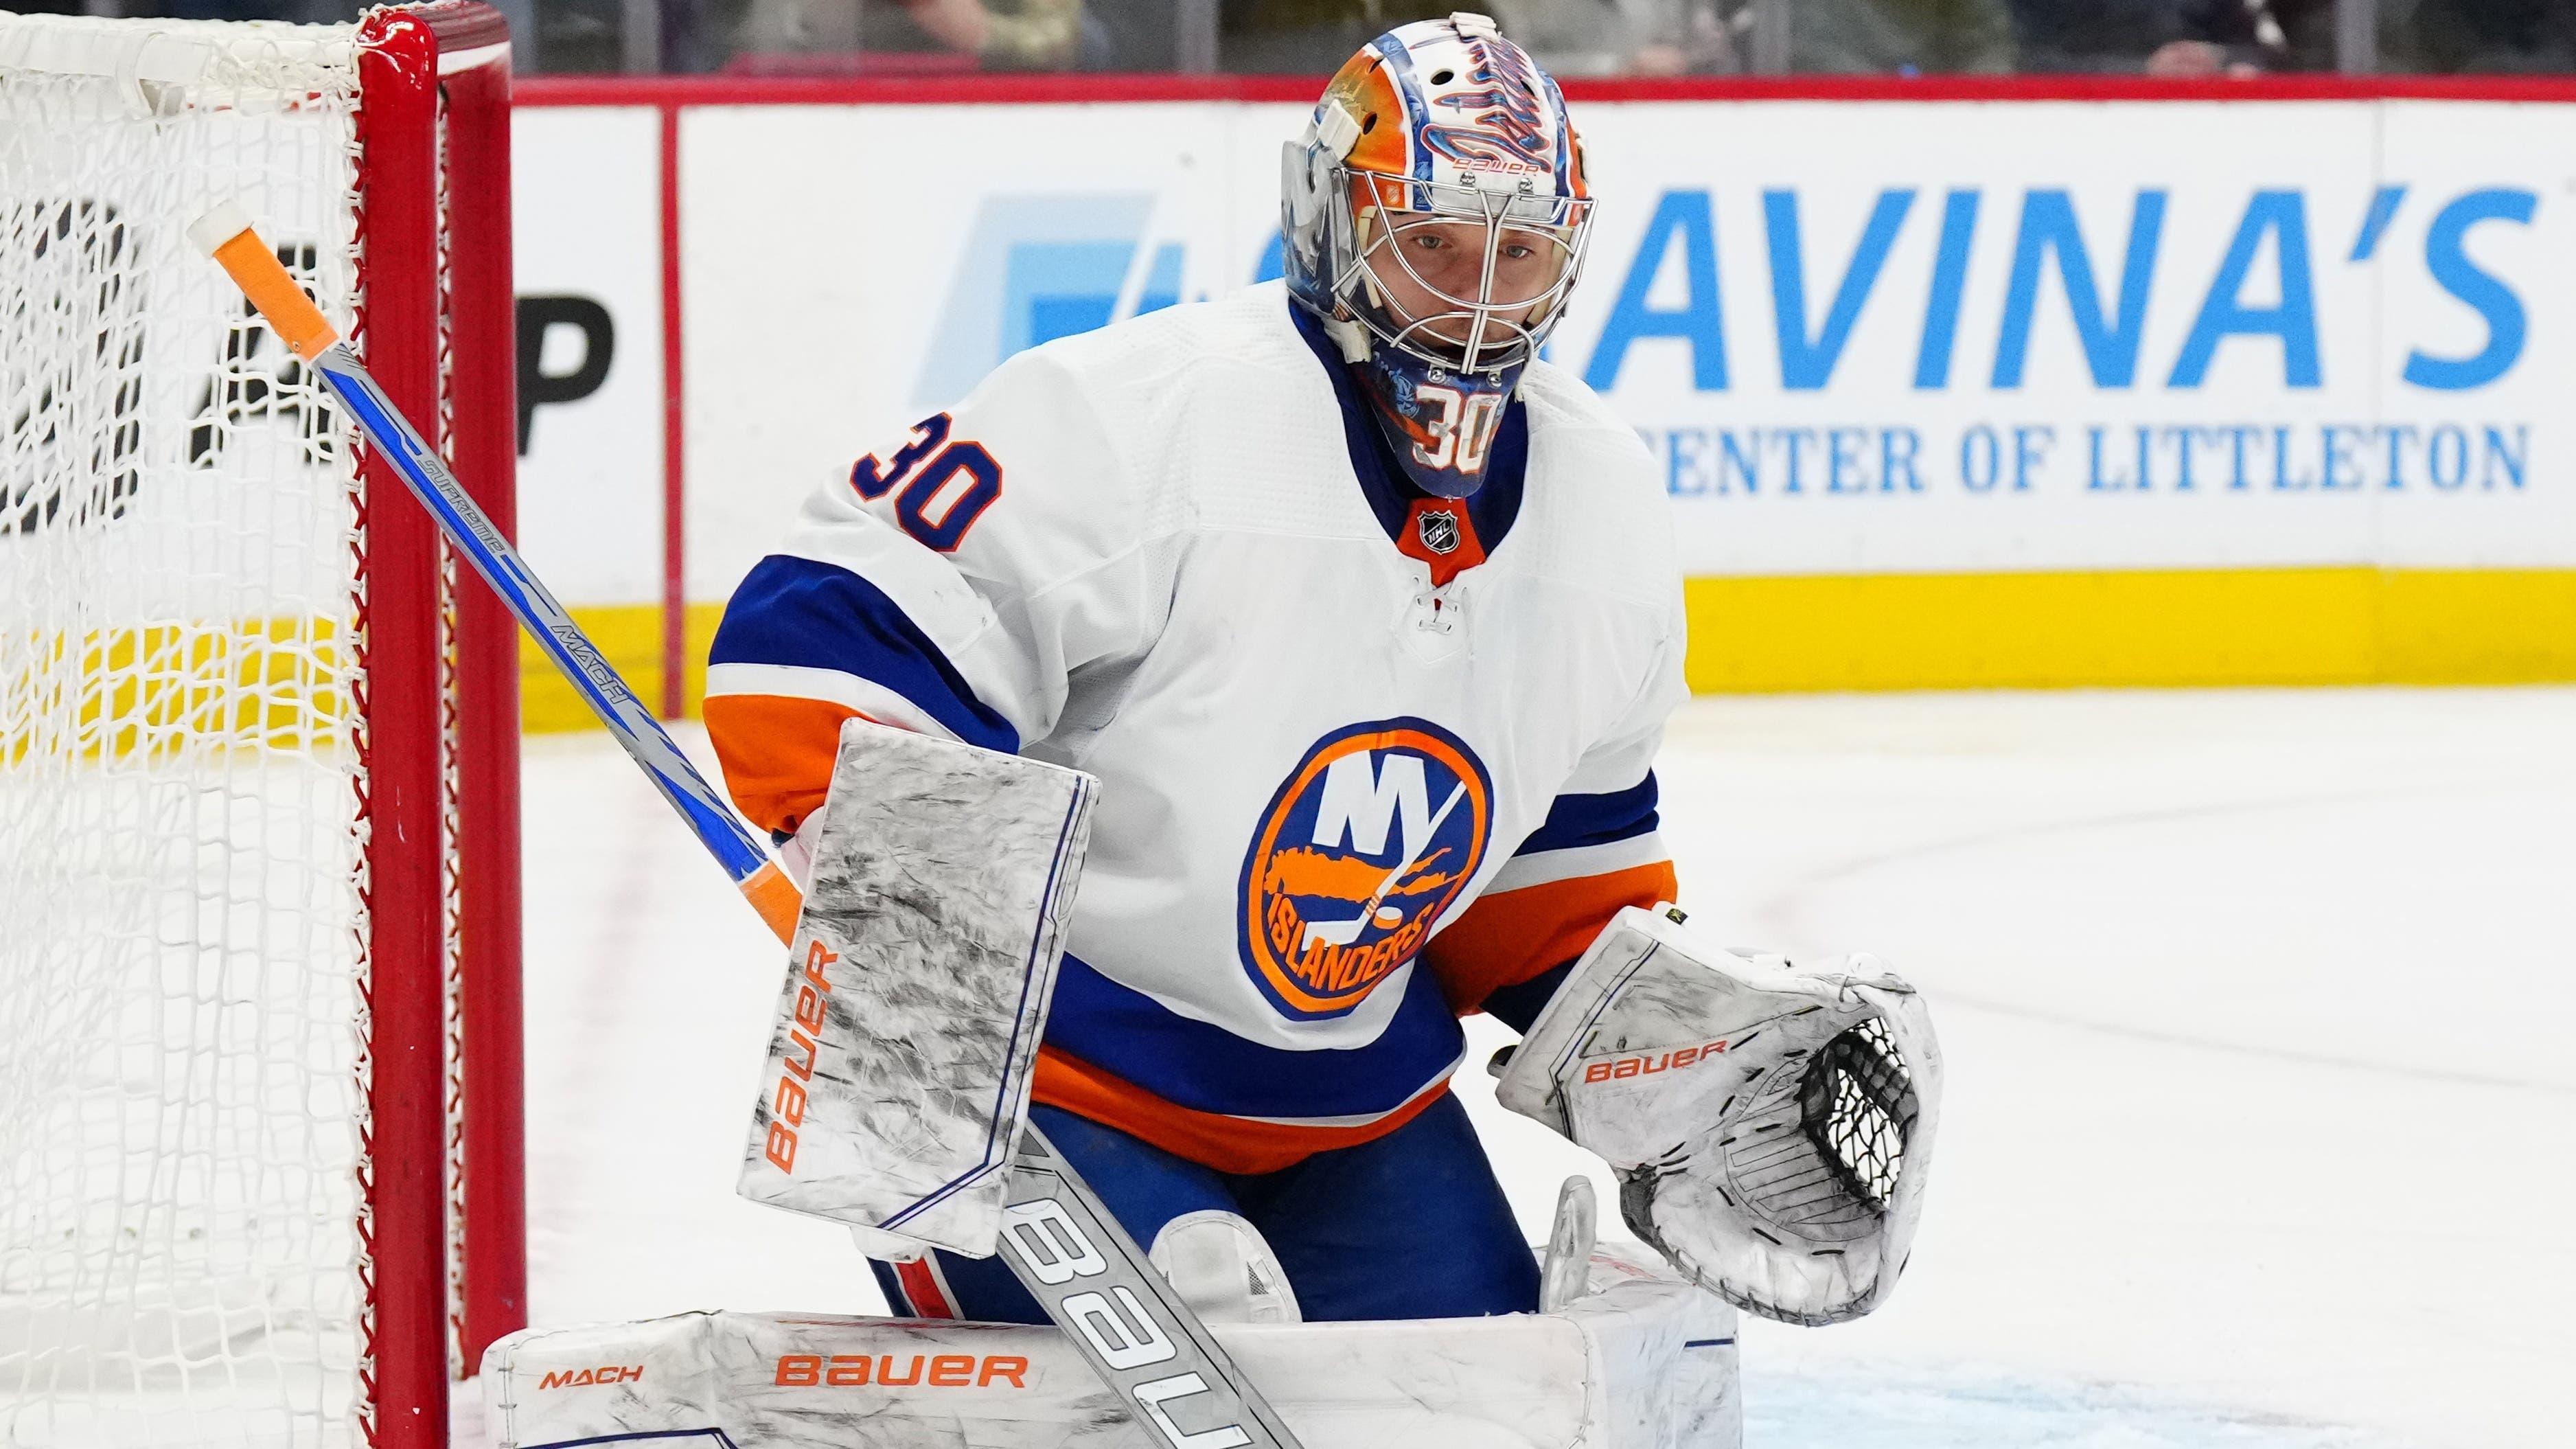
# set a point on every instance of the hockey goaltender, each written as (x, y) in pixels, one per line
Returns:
(1333, 632)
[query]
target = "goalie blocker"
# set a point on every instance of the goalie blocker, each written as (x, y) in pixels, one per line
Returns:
(1771, 1125)
(898, 1077)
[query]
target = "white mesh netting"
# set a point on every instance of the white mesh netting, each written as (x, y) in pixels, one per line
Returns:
(181, 828)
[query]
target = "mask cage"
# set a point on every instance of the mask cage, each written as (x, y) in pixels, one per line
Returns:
(1470, 334)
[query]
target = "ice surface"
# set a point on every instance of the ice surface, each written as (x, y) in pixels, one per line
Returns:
(2256, 1007)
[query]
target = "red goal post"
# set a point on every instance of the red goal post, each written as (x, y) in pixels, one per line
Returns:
(261, 1171)
(435, 325)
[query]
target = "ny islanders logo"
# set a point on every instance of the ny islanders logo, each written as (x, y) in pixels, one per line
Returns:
(1368, 840)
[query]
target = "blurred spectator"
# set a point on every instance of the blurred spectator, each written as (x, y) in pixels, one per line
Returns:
(1862, 36)
(580, 36)
(1141, 36)
(1631, 37)
(2175, 37)
(2481, 35)
(1310, 37)
(862, 35)
(2263, 35)
(1570, 37)
(1651, 37)
(1698, 37)
(2189, 58)
(2059, 37)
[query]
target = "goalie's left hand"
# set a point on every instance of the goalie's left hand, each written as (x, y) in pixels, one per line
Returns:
(1771, 1125)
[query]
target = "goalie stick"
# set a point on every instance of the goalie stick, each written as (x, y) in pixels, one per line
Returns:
(1059, 1241)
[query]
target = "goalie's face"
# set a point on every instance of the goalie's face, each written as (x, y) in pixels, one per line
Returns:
(1476, 291)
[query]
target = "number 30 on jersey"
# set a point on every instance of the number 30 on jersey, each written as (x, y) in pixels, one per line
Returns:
(944, 486)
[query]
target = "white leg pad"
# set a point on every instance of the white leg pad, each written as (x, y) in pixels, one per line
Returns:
(1221, 1265)
(1643, 1361)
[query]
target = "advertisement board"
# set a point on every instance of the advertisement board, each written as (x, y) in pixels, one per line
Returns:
(585, 198)
(2028, 391)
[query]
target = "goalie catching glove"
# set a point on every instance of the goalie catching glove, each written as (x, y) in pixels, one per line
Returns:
(1770, 1125)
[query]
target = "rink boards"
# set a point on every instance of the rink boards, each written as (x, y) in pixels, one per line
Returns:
(1998, 388)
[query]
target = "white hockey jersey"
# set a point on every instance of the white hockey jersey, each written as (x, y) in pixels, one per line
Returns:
(1365, 756)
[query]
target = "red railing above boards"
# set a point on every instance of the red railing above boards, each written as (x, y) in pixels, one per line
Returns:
(1023, 89)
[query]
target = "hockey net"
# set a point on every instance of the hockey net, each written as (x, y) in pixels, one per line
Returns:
(259, 1171)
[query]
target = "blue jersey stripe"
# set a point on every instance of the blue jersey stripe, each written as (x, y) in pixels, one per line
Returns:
(1208, 1069)
(820, 616)
(1576, 820)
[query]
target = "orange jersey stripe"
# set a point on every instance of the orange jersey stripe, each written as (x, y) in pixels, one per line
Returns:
(1241, 1145)
(1506, 939)
(777, 752)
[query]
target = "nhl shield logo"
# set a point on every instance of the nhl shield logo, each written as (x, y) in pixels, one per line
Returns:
(1439, 532)
(1372, 835)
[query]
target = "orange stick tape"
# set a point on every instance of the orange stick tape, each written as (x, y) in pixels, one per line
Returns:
(228, 236)
(776, 898)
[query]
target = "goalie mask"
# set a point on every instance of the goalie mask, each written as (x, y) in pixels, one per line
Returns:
(1434, 217)
(1771, 1125)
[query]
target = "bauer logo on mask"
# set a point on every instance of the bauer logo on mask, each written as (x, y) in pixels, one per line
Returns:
(1367, 841)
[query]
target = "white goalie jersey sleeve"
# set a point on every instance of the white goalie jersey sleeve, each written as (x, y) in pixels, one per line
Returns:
(951, 584)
